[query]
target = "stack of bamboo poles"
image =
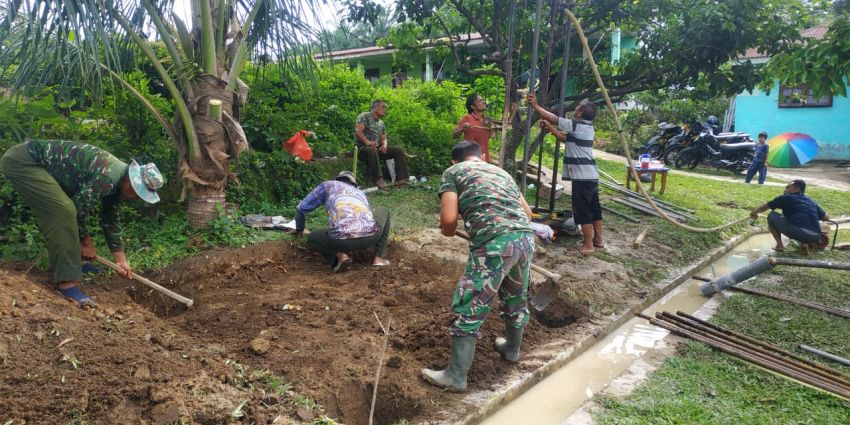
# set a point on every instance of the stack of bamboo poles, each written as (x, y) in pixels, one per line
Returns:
(758, 352)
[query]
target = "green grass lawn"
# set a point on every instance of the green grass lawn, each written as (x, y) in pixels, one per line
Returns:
(700, 385)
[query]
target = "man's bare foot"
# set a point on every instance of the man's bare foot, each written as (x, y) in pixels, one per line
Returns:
(779, 248)
(381, 184)
(379, 261)
(598, 243)
(586, 249)
(400, 183)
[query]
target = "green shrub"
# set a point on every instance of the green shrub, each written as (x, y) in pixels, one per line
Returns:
(272, 183)
(420, 118)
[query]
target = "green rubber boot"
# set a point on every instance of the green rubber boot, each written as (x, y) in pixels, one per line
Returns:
(509, 347)
(453, 378)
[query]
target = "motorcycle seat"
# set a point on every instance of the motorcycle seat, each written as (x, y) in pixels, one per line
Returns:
(735, 134)
(738, 146)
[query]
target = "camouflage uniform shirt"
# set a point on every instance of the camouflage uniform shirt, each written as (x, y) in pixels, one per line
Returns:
(489, 201)
(373, 127)
(89, 176)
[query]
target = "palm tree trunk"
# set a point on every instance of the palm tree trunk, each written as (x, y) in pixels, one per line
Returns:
(220, 139)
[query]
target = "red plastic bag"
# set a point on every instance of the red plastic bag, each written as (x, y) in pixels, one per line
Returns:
(297, 146)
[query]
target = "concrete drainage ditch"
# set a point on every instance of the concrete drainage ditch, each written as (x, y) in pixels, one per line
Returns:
(553, 392)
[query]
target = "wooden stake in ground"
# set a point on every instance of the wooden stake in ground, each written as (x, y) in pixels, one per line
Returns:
(380, 363)
(640, 236)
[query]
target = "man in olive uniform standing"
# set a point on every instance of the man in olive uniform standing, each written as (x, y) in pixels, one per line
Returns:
(500, 249)
(62, 182)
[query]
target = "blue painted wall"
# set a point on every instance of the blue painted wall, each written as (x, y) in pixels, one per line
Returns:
(830, 126)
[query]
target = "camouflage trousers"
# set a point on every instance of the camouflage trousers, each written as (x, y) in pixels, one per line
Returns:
(485, 277)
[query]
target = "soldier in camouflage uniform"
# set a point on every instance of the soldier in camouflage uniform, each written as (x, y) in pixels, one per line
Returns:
(371, 139)
(501, 246)
(63, 182)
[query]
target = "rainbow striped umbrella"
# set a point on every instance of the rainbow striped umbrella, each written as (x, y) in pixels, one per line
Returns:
(789, 150)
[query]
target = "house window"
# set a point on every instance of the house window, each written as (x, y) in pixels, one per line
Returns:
(801, 97)
(372, 74)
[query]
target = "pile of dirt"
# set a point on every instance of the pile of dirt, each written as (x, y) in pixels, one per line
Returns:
(262, 314)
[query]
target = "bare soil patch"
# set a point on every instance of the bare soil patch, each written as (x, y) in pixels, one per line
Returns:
(140, 358)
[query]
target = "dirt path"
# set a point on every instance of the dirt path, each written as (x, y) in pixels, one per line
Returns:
(817, 173)
(270, 313)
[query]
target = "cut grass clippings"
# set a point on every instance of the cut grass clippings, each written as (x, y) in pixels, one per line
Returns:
(700, 385)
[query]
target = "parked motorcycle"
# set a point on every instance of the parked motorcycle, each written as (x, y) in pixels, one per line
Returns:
(679, 142)
(720, 153)
(655, 146)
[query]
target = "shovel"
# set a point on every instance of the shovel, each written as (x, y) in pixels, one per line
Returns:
(544, 294)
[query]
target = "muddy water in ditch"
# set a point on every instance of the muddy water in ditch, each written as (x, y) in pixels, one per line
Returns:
(555, 398)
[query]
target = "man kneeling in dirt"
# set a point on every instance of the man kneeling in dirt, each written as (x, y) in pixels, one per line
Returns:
(799, 218)
(501, 246)
(63, 182)
(352, 225)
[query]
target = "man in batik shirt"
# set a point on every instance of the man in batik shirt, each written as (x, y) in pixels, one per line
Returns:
(352, 224)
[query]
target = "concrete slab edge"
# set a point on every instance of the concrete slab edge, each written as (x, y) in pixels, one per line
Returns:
(661, 289)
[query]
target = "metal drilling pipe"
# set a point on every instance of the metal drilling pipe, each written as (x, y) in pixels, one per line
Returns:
(784, 371)
(754, 351)
(824, 308)
(531, 89)
(765, 345)
(696, 327)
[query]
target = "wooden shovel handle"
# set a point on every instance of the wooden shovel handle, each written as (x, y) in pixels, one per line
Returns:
(147, 282)
(463, 235)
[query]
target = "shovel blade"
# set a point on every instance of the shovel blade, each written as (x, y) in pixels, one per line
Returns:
(544, 294)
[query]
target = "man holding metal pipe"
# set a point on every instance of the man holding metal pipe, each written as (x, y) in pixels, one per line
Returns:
(63, 182)
(501, 246)
(799, 218)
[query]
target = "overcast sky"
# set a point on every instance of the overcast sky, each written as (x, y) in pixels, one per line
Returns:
(329, 15)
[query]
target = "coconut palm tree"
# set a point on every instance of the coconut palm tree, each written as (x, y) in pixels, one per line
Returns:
(90, 43)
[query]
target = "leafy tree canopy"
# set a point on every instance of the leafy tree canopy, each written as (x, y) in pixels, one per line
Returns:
(823, 64)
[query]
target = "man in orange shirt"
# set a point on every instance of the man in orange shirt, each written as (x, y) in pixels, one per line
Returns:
(472, 126)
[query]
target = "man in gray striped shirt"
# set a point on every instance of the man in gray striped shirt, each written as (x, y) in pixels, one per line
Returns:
(579, 167)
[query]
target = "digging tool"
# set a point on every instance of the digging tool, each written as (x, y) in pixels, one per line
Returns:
(544, 294)
(152, 285)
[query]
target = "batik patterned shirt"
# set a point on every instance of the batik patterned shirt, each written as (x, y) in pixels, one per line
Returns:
(490, 203)
(373, 128)
(349, 214)
(89, 176)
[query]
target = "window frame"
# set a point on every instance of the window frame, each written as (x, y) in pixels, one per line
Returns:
(822, 102)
